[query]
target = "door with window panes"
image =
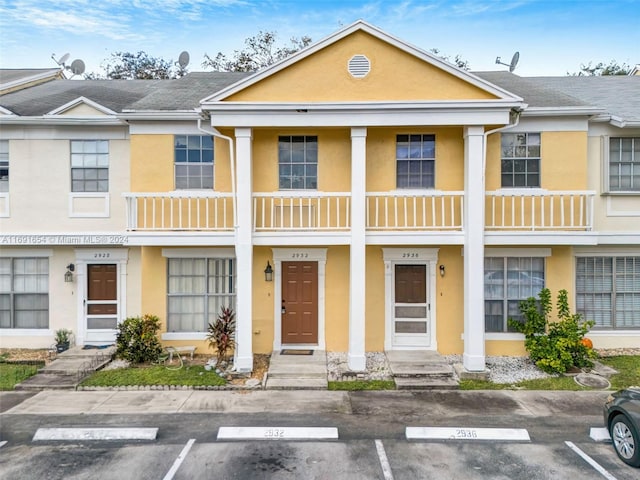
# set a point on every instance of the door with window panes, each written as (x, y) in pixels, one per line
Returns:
(410, 307)
(101, 305)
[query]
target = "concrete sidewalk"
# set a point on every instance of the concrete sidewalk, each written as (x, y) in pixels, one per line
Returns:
(428, 403)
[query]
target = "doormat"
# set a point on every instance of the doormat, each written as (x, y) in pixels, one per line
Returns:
(289, 351)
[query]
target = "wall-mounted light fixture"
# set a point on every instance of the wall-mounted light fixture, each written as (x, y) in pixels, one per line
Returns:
(442, 270)
(268, 273)
(68, 275)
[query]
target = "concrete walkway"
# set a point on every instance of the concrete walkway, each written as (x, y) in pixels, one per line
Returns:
(296, 371)
(69, 368)
(420, 370)
(444, 403)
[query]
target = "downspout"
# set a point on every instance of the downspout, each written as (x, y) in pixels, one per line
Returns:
(232, 167)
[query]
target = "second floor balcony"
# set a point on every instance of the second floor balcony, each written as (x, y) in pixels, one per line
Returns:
(395, 212)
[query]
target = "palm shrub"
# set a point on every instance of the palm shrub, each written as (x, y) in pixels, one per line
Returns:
(556, 346)
(137, 339)
(221, 333)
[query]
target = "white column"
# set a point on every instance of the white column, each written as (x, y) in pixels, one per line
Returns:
(243, 359)
(356, 356)
(474, 355)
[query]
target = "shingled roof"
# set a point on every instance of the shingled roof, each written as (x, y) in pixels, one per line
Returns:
(615, 95)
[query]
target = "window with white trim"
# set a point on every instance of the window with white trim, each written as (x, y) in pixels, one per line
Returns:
(4, 166)
(520, 164)
(624, 164)
(298, 162)
(196, 289)
(608, 291)
(193, 155)
(507, 282)
(415, 161)
(24, 292)
(89, 165)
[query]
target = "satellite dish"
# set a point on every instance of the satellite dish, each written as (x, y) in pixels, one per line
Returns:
(77, 67)
(512, 64)
(63, 59)
(183, 59)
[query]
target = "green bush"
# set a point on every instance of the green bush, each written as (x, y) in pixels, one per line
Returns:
(557, 346)
(137, 339)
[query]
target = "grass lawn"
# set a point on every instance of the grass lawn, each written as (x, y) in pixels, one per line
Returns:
(13, 373)
(628, 367)
(189, 375)
(354, 385)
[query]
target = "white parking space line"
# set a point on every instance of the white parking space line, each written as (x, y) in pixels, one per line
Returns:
(599, 434)
(277, 433)
(47, 434)
(384, 462)
(176, 465)
(599, 468)
(458, 433)
(3, 443)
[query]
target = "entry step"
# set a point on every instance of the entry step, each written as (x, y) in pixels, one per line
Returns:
(425, 383)
(293, 383)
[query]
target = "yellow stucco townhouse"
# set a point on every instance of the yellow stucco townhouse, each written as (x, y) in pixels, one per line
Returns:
(361, 195)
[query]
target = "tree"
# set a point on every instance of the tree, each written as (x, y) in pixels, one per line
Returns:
(613, 68)
(457, 60)
(138, 66)
(260, 51)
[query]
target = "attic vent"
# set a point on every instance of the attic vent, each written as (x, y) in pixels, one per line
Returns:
(359, 66)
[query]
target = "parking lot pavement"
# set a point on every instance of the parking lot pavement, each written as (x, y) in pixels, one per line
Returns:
(278, 459)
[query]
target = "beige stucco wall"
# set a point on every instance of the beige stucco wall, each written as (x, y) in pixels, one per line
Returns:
(40, 187)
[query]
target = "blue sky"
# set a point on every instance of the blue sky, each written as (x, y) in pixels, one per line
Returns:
(553, 37)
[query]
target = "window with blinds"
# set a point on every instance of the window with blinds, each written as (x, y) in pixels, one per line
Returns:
(24, 292)
(196, 289)
(608, 291)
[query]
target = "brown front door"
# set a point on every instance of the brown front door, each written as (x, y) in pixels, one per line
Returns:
(102, 297)
(410, 309)
(300, 302)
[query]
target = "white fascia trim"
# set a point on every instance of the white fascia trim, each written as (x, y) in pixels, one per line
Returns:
(410, 255)
(53, 73)
(191, 239)
(6, 111)
(622, 123)
(60, 120)
(361, 25)
(79, 101)
(560, 111)
(619, 238)
(146, 115)
(540, 238)
(517, 252)
(414, 238)
(198, 253)
(364, 118)
(330, 107)
(293, 238)
(607, 251)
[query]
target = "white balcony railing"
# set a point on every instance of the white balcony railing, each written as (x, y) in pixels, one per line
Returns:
(299, 211)
(415, 210)
(539, 210)
(180, 210)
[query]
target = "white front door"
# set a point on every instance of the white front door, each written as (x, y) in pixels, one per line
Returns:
(410, 321)
(101, 304)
